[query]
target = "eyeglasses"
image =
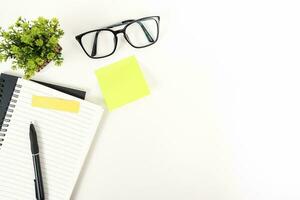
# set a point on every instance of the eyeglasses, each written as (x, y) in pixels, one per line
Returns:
(102, 42)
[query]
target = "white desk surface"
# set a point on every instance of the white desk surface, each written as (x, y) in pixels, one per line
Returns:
(222, 122)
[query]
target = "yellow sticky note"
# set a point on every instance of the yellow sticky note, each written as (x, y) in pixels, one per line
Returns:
(122, 82)
(55, 104)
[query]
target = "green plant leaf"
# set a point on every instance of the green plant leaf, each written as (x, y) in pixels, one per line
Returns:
(39, 42)
(39, 61)
(2, 57)
(30, 44)
(26, 39)
(50, 56)
(53, 41)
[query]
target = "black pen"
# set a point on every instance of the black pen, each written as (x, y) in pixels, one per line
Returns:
(38, 181)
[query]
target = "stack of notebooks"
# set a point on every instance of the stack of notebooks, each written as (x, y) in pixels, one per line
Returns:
(64, 139)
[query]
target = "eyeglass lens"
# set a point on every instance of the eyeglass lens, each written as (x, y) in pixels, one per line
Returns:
(142, 33)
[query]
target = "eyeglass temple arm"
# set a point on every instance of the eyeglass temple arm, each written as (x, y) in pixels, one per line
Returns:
(149, 37)
(94, 50)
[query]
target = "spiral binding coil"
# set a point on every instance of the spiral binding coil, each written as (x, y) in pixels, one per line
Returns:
(9, 110)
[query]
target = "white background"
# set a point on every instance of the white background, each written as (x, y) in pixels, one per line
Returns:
(222, 120)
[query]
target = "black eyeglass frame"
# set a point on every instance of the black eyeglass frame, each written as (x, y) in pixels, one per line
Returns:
(123, 31)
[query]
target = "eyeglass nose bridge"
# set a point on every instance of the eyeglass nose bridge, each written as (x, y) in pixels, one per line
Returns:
(119, 31)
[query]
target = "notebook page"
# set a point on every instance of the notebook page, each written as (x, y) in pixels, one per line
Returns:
(64, 139)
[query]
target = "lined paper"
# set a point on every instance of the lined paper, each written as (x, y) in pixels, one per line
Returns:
(64, 139)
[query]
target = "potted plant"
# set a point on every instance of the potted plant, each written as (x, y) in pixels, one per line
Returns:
(31, 45)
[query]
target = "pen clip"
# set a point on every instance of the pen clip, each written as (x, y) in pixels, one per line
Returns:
(36, 189)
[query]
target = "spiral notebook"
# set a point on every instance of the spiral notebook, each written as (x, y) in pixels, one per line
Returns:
(64, 140)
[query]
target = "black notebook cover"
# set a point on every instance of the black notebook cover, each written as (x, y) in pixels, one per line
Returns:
(7, 87)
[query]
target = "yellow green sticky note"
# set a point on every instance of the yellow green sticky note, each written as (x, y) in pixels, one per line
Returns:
(55, 104)
(122, 82)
